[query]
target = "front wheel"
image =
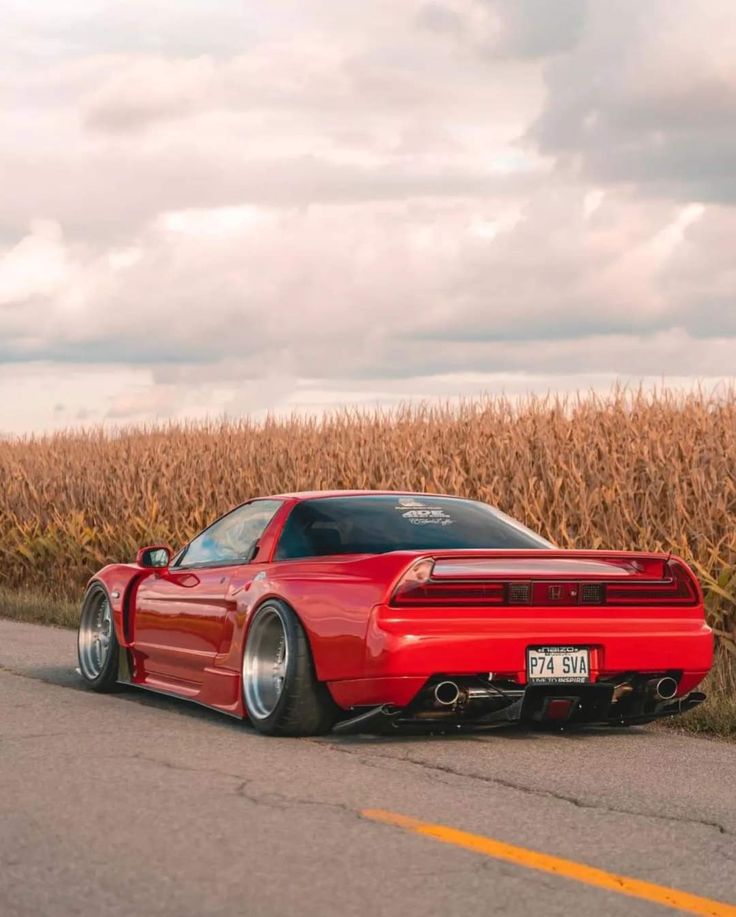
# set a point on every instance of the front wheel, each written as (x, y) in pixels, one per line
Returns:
(281, 692)
(97, 645)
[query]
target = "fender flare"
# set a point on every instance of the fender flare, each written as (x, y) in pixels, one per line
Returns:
(264, 600)
(120, 582)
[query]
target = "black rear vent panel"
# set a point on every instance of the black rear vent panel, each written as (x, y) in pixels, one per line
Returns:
(520, 594)
(592, 594)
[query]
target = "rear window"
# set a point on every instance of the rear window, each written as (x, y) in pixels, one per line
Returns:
(377, 524)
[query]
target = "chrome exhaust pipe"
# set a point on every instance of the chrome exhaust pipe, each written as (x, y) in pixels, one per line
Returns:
(663, 688)
(447, 693)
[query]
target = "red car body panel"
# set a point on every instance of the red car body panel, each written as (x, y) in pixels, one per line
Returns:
(185, 630)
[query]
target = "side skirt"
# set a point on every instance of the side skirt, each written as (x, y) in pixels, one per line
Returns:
(220, 689)
(190, 700)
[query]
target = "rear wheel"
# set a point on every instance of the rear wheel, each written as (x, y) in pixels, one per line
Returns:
(97, 646)
(281, 692)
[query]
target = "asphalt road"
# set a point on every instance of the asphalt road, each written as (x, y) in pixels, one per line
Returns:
(132, 804)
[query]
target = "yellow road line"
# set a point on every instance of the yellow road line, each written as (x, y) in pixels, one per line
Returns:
(569, 869)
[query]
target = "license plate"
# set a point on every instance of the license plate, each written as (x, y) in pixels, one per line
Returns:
(557, 664)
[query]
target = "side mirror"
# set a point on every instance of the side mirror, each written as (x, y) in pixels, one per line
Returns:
(158, 555)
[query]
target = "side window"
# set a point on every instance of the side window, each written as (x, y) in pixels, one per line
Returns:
(231, 539)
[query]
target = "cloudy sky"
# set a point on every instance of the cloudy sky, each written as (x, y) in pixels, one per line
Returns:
(223, 206)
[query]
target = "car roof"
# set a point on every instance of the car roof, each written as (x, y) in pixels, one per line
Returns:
(319, 494)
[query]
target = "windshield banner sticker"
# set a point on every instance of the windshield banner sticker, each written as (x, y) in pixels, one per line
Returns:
(417, 513)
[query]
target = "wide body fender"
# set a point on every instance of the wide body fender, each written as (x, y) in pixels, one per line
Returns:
(333, 601)
(121, 581)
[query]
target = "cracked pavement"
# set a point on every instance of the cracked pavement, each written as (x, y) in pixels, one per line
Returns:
(136, 804)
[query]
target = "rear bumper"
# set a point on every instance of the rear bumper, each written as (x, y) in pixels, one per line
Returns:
(551, 705)
(407, 647)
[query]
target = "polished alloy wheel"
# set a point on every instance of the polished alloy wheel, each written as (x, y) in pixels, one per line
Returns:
(265, 662)
(95, 635)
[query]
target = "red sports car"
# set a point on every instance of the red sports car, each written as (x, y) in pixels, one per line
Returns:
(360, 609)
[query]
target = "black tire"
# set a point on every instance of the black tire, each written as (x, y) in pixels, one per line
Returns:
(101, 674)
(301, 705)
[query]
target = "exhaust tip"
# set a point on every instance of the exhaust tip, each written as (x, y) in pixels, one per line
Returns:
(665, 688)
(447, 693)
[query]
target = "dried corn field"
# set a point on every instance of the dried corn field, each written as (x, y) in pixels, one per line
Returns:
(626, 471)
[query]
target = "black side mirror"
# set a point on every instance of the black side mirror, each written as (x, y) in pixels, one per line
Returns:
(158, 555)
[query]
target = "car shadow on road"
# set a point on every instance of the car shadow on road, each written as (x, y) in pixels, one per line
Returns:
(398, 737)
(511, 733)
(69, 677)
(61, 676)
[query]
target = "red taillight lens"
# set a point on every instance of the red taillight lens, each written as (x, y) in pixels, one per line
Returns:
(677, 587)
(417, 587)
(657, 583)
(451, 594)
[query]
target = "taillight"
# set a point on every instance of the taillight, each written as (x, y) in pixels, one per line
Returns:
(417, 587)
(677, 587)
(668, 583)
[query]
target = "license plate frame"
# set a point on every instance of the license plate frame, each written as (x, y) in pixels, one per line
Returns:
(558, 665)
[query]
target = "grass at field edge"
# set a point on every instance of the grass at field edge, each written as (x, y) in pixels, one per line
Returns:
(38, 608)
(716, 717)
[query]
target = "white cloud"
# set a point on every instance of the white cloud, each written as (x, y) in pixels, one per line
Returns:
(36, 266)
(149, 90)
(648, 96)
(308, 200)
